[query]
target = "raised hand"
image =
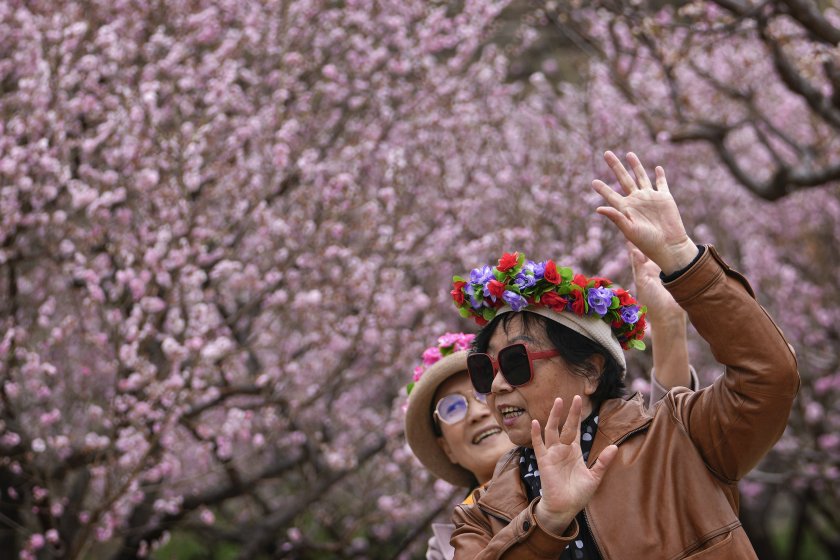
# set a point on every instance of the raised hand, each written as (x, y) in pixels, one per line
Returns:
(567, 483)
(661, 306)
(647, 216)
(667, 322)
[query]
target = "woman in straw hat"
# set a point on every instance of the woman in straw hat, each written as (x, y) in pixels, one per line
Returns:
(452, 431)
(628, 482)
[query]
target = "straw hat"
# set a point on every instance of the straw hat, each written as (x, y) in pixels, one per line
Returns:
(419, 423)
(590, 327)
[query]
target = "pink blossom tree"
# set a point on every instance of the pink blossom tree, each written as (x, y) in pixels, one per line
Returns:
(228, 230)
(758, 82)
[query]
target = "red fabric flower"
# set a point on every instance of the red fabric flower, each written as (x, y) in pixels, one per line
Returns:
(496, 288)
(624, 297)
(480, 321)
(551, 274)
(578, 305)
(580, 280)
(638, 329)
(554, 301)
(457, 293)
(599, 282)
(508, 261)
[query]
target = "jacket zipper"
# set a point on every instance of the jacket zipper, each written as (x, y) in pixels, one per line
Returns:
(591, 532)
(619, 441)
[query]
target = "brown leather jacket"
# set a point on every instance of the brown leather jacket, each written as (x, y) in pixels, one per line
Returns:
(671, 492)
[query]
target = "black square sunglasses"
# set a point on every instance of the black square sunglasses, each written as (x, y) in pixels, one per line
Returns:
(515, 363)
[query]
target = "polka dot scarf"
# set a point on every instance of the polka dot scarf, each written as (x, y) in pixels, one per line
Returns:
(583, 547)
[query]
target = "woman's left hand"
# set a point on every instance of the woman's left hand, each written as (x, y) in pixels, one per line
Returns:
(661, 306)
(567, 483)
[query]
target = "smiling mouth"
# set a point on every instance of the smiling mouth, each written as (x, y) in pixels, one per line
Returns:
(511, 412)
(484, 434)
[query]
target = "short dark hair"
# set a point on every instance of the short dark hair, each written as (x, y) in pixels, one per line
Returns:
(574, 348)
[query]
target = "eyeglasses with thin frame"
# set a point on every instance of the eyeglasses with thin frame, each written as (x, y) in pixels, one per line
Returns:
(452, 408)
(514, 362)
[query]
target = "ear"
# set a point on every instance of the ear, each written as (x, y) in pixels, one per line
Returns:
(444, 445)
(592, 382)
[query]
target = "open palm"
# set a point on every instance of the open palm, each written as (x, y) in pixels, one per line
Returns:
(567, 483)
(647, 216)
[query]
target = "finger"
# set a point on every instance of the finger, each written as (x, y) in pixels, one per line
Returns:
(536, 440)
(599, 469)
(661, 182)
(639, 171)
(620, 220)
(571, 427)
(637, 258)
(552, 426)
(612, 198)
(624, 178)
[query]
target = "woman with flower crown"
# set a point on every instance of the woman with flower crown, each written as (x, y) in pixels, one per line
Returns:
(627, 481)
(452, 431)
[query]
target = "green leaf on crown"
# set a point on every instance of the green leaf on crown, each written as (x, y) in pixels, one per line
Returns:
(636, 344)
(565, 273)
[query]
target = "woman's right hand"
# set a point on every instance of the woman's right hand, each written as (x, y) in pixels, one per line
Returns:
(647, 216)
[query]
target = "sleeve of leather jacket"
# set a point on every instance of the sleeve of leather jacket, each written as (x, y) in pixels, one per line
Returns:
(734, 422)
(657, 390)
(523, 537)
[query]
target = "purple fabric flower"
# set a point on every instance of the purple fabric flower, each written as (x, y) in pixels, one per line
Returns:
(599, 300)
(630, 314)
(486, 291)
(515, 301)
(473, 301)
(538, 268)
(524, 280)
(481, 275)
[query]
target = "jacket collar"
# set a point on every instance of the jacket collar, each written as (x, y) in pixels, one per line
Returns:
(619, 419)
(505, 496)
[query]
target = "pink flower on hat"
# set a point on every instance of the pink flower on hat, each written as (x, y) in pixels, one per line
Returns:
(448, 343)
(431, 355)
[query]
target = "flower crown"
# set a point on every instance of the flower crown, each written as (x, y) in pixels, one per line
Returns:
(520, 283)
(447, 344)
